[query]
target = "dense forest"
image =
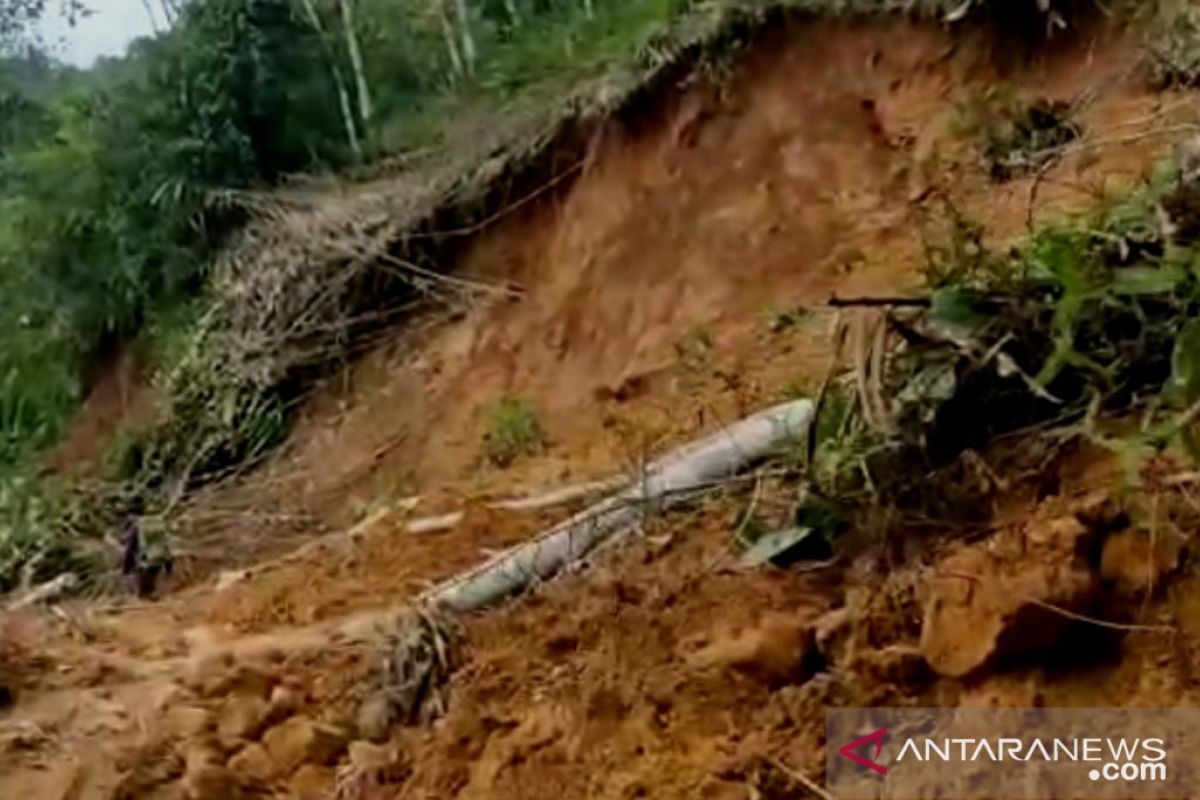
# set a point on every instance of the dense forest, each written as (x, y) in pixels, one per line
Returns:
(119, 182)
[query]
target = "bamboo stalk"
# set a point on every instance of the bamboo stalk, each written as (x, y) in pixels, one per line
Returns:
(464, 32)
(666, 482)
(366, 108)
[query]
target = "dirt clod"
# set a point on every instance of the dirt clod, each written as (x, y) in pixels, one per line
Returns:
(779, 651)
(996, 600)
(301, 740)
(241, 718)
(311, 783)
(833, 634)
(187, 721)
(252, 764)
(898, 665)
(1134, 564)
(205, 778)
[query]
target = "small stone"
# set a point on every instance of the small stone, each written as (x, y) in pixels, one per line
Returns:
(283, 703)
(301, 740)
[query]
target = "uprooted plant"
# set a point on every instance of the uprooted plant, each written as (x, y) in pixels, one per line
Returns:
(1089, 331)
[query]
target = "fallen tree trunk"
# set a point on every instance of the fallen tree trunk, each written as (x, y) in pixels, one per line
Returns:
(665, 482)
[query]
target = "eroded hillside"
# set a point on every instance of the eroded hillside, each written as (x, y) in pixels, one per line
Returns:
(678, 281)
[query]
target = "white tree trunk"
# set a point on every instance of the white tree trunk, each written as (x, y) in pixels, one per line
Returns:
(347, 112)
(666, 481)
(514, 15)
(456, 63)
(352, 137)
(365, 106)
(464, 31)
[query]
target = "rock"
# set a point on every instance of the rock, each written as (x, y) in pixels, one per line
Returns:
(778, 652)
(989, 601)
(252, 764)
(241, 718)
(301, 740)
(311, 783)
(283, 703)
(1135, 566)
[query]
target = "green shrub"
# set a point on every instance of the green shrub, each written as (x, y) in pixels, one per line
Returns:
(513, 430)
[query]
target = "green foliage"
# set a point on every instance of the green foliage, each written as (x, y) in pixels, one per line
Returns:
(513, 430)
(1174, 43)
(36, 541)
(555, 45)
(111, 213)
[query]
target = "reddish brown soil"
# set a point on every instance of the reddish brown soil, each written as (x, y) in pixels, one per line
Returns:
(120, 398)
(649, 286)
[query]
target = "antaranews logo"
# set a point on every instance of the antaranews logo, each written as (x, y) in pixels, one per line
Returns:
(850, 750)
(1039, 754)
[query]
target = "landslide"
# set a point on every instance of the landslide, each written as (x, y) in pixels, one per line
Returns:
(676, 283)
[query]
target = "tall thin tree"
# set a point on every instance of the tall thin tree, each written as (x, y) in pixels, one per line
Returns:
(467, 38)
(365, 106)
(339, 82)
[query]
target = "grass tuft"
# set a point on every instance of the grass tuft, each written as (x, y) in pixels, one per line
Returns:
(513, 431)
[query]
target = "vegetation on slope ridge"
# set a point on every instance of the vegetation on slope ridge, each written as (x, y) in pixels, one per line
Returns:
(121, 183)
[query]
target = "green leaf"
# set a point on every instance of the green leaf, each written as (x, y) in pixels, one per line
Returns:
(1140, 281)
(1184, 387)
(930, 387)
(957, 307)
(785, 547)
